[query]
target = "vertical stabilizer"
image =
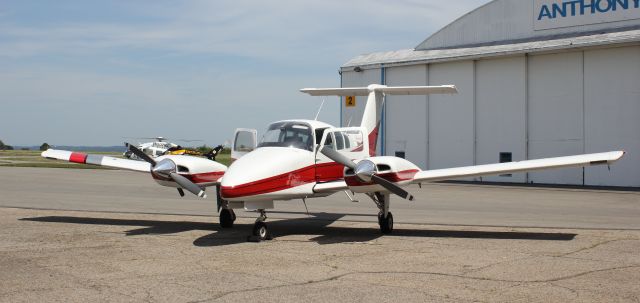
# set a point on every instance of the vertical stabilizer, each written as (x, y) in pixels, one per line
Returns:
(372, 115)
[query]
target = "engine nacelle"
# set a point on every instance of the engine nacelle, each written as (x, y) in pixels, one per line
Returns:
(200, 171)
(393, 169)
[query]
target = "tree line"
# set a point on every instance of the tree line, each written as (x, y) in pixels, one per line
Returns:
(3, 146)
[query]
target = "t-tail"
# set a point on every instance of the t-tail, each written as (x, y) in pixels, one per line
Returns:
(373, 109)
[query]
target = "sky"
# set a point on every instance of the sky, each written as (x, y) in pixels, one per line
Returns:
(92, 72)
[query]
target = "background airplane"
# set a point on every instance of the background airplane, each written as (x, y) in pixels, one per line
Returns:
(300, 159)
(156, 148)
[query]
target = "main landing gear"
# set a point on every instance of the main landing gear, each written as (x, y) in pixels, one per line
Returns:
(227, 217)
(260, 231)
(385, 218)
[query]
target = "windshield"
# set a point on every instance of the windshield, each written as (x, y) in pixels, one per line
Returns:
(288, 134)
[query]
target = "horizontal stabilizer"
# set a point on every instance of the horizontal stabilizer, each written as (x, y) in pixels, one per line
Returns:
(388, 90)
(519, 166)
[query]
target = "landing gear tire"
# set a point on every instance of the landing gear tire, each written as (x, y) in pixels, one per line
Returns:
(386, 224)
(260, 232)
(226, 218)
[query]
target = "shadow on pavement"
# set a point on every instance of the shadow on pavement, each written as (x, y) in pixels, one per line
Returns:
(324, 234)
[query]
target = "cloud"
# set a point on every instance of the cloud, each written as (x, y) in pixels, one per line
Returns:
(255, 29)
(94, 72)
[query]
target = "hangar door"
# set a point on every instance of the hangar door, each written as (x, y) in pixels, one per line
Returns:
(406, 116)
(612, 113)
(555, 113)
(500, 114)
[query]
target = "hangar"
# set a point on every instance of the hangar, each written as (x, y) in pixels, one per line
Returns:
(536, 79)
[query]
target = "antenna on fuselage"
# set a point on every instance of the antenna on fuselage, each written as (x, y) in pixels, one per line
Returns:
(319, 110)
(349, 123)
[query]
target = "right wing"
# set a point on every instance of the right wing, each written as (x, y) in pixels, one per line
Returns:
(518, 166)
(101, 160)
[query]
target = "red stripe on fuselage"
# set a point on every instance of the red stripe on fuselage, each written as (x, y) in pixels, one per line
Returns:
(323, 172)
(393, 177)
(78, 158)
(330, 171)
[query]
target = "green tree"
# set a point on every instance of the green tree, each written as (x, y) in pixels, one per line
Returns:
(44, 146)
(2, 146)
(203, 149)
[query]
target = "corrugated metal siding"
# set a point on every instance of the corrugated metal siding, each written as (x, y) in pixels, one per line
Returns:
(406, 123)
(612, 113)
(451, 133)
(501, 112)
(555, 113)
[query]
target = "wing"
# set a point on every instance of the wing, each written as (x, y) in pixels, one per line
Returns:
(107, 161)
(519, 166)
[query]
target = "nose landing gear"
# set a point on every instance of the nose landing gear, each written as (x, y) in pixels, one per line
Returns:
(385, 218)
(260, 231)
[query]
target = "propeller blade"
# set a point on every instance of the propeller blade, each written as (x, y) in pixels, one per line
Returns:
(140, 154)
(390, 186)
(337, 157)
(188, 185)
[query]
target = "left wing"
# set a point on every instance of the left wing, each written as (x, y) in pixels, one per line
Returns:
(518, 166)
(101, 160)
(492, 169)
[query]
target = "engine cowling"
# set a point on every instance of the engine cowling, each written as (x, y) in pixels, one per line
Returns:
(393, 169)
(200, 171)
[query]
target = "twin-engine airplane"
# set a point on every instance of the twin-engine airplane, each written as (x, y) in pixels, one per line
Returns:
(299, 159)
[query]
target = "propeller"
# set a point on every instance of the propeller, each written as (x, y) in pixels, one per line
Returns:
(365, 170)
(167, 168)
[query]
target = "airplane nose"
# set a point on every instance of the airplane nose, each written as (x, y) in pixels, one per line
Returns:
(267, 170)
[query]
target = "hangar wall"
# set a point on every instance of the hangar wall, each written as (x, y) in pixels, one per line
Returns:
(532, 105)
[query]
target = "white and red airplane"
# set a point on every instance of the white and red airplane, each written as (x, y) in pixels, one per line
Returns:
(299, 159)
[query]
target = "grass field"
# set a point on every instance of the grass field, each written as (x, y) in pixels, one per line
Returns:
(32, 158)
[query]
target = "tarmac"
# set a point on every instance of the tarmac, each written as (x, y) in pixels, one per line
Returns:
(101, 235)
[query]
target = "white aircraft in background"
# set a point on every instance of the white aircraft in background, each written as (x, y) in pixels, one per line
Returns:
(300, 159)
(154, 148)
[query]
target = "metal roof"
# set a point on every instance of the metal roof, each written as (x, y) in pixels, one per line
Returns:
(411, 56)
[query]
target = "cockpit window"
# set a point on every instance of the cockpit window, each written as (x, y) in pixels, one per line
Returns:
(288, 134)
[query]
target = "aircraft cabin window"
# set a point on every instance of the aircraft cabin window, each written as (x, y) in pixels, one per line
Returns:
(244, 142)
(339, 140)
(329, 141)
(288, 134)
(319, 133)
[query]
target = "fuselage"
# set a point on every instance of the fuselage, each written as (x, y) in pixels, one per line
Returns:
(284, 166)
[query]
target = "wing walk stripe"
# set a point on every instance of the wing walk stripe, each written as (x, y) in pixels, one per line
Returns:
(94, 159)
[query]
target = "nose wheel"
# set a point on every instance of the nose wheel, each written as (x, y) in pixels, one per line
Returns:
(385, 218)
(260, 231)
(386, 224)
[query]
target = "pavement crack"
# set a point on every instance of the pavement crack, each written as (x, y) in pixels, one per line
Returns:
(337, 277)
(573, 291)
(594, 246)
